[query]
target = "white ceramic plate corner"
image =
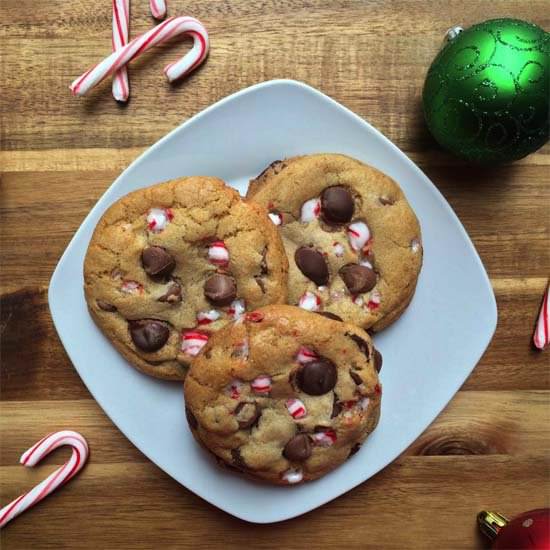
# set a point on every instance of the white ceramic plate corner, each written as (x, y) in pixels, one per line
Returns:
(428, 353)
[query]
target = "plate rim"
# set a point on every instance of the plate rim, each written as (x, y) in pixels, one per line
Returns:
(442, 202)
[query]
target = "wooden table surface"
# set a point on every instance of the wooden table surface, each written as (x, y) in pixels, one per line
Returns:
(490, 446)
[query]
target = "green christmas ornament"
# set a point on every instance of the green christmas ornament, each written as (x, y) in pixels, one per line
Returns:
(487, 93)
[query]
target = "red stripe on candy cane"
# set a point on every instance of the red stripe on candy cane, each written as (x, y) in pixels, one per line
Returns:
(33, 456)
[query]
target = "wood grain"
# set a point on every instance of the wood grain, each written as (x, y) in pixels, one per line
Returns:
(490, 446)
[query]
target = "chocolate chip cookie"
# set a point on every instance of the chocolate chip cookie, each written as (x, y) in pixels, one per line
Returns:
(284, 395)
(352, 240)
(170, 264)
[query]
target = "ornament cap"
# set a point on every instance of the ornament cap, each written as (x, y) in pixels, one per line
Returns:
(490, 523)
(453, 32)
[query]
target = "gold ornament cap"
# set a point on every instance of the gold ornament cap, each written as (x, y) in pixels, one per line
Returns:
(490, 523)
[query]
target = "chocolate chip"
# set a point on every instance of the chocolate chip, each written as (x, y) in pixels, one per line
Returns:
(247, 414)
(191, 420)
(377, 360)
(172, 294)
(298, 448)
(354, 449)
(386, 201)
(336, 407)
(105, 306)
(157, 262)
(220, 289)
(330, 315)
(238, 459)
(149, 334)
(358, 278)
(312, 264)
(317, 377)
(336, 205)
(361, 344)
(356, 378)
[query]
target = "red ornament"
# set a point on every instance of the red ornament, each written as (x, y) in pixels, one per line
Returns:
(528, 530)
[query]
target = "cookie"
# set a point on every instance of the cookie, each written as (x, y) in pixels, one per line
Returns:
(170, 264)
(284, 395)
(352, 240)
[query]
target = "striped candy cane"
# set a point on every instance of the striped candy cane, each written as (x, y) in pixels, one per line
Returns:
(63, 474)
(173, 26)
(158, 8)
(121, 24)
(541, 337)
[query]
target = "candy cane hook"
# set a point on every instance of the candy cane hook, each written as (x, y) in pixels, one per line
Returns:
(173, 26)
(33, 456)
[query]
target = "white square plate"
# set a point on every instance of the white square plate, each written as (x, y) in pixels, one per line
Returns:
(428, 353)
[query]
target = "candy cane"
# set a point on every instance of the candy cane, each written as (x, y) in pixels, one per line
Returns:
(121, 23)
(158, 8)
(63, 474)
(173, 26)
(541, 337)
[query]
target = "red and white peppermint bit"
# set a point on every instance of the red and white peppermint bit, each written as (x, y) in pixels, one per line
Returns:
(158, 8)
(173, 26)
(366, 263)
(218, 253)
(121, 23)
(236, 309)
(309, 301)
(374, 300)
(310, 210)
(306, 355)
(293, 476)
(416, 245)
(358, 235)
(193, 341)
(338, 249)
(254, 316)
(276, 218)
(325, 438)
(261, 384)
(541, 336)
(234, 389)
(131, 287)
(296, 408)
(363, 403)
(358, 300)
(63, 474)
(207, 317)
(158, 219)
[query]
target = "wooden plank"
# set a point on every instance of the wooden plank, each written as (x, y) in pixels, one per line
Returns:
(509, 363)
(379, 79)
(513, 423)
(508, 222)
(505, 435)
(426, 502)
